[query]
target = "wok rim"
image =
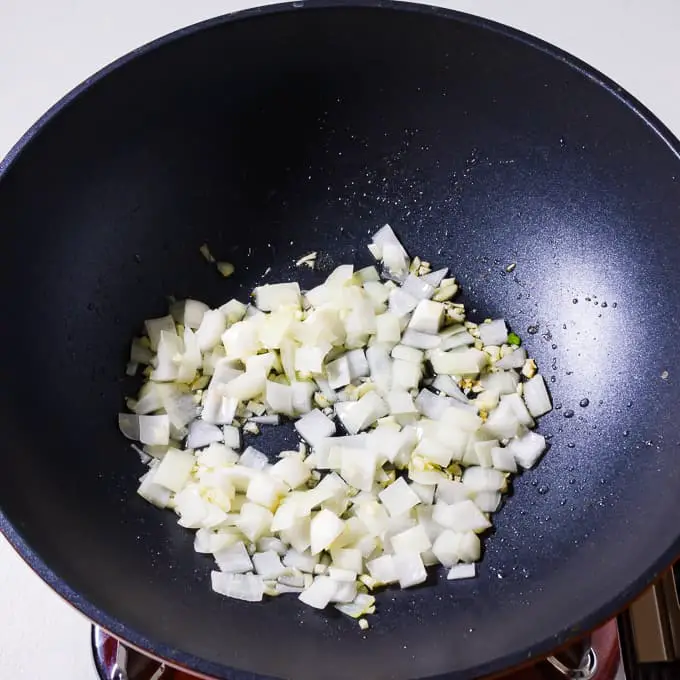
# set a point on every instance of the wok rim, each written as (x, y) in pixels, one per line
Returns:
(201, 665)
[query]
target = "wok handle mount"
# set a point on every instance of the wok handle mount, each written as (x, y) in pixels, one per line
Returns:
(576, 662)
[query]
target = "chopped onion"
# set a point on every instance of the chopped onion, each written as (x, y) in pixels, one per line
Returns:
(315, 426)
(514, 359)
(417, 287)
(398, 497)
(320, 593)
(427, 317)
(234, 559)
(536, 396)
(493, 333)
(246, 587)
(201, 434)
(410, 569)
(437, 414)
(460, 571)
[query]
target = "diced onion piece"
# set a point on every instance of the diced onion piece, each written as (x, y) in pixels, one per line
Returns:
(362, 604)
(450, 491)
(417, 287)
(265, 490)
(409, 568)
(411, 540)
(380, 366)
(292, 471)
(458, 362)
(406, 375)
(483, 479)
(174, 470)
(248, 587)
(410, 354)
(298, 560)
(388, 328)
(401, 303)
(398, 497)
(447, 385)
(320, 593)
(488, 501)
(527, 449)
(427, 317)
(493, 333)
(383, 569)
(268, 564)
(154, 493)
(273, 296)
(461, 571)
(358, 415)
(315, 426)
(436, 277)
(514, 359)
(338, 373)
(536, 396)
(462, 516)
(234, 311)
(326, 527)
(503, 459)
(234, 559)
(154, 328)
(202, 434)
(455, 341)
(445, 547)
(252, 458)
(213, 325)
(419, 340)
(254, 521)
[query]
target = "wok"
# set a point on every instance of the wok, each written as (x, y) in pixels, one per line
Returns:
(275, 132)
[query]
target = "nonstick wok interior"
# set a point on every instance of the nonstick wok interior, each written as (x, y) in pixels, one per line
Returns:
(305, 129)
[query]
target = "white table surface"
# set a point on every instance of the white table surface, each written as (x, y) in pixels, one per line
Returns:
(48, 47)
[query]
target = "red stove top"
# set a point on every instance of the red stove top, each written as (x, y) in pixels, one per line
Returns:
(114, 661)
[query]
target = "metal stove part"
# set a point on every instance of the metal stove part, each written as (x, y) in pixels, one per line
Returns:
(115, 661)
(585, 669)
(655, 621)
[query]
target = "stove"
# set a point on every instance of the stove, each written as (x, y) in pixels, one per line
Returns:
(600, 659)
(643, 643)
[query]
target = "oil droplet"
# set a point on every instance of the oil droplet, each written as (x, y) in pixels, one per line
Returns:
(629, 404)
(615, 305)
(572, 481)
(568, 413)
(626, 433)
(534, 482)
(553, 378)
(554, 346)
(563, 501)
(574, 301)
(532, 330)
(584, 402)
(543, 490)
(604, 305)
(571, 445)
(558, 407)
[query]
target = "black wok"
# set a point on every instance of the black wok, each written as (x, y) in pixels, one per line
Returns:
(276, 132)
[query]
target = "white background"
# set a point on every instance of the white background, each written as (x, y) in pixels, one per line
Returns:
(47, 47)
